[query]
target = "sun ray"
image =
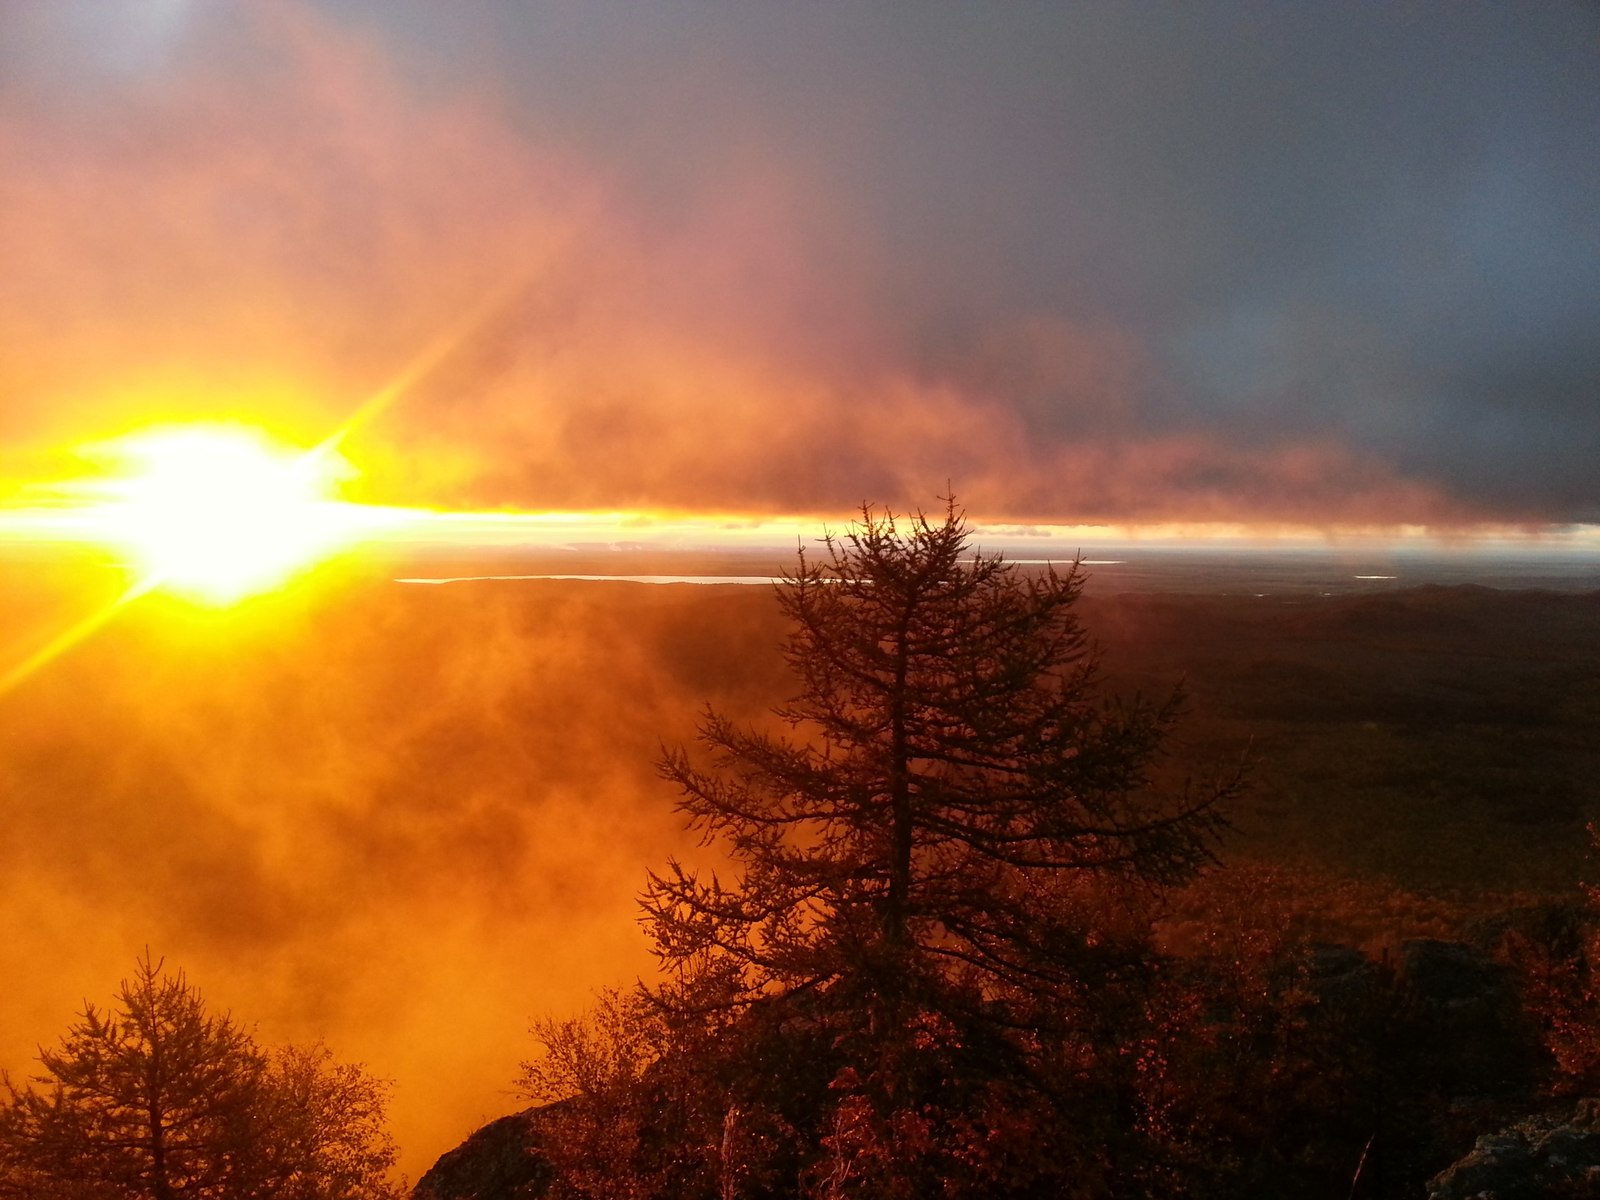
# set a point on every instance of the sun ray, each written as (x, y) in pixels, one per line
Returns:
(426, 361)
(317, 459)
(74, 634)
(211, 514)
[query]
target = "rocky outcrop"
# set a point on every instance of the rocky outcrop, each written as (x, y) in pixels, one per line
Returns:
(1535, 1159)
(1339, 974)
(1454, 976)
(1467, 1023)
(1442, 1018)
(498, 1162)
(1452, 980)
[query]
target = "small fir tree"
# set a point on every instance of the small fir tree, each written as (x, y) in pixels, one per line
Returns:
(156, 1099)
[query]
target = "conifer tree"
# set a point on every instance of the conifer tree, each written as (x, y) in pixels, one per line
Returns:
(154, 1098)
(952, 760)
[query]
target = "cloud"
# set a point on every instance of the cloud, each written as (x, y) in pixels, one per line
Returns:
(403, 819)
(267, 225)
(273, 210)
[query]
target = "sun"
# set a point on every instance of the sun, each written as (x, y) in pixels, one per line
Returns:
(216, 513)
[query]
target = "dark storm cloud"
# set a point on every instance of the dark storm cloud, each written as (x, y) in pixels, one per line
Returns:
(1248, 261)
(1372, 223)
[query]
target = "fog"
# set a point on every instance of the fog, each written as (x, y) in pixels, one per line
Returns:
(403, 819)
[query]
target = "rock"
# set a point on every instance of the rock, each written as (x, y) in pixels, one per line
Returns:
(498, 1162)
(1570, 1147)
(1466, 1020)
(1329, 960)
(1452, 975)
(1339, 974)
(1529, 1161)
(1587, 1114)
(1558, 928)
(1502, 1147)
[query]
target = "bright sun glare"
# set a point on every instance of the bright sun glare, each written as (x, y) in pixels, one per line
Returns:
(219, 512)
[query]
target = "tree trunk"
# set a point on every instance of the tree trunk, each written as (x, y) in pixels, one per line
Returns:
(896, 912)
(160, 1188)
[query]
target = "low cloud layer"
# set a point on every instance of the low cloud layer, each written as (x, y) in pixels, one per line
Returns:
(406, 820)
(1086, 265)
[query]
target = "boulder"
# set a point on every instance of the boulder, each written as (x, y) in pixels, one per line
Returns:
(1339, 974)
(498, 1162)
(1534, 1159)
(1466, 1022)
(1453, 976)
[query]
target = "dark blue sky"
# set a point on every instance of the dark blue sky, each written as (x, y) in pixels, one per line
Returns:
(1293, 261)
